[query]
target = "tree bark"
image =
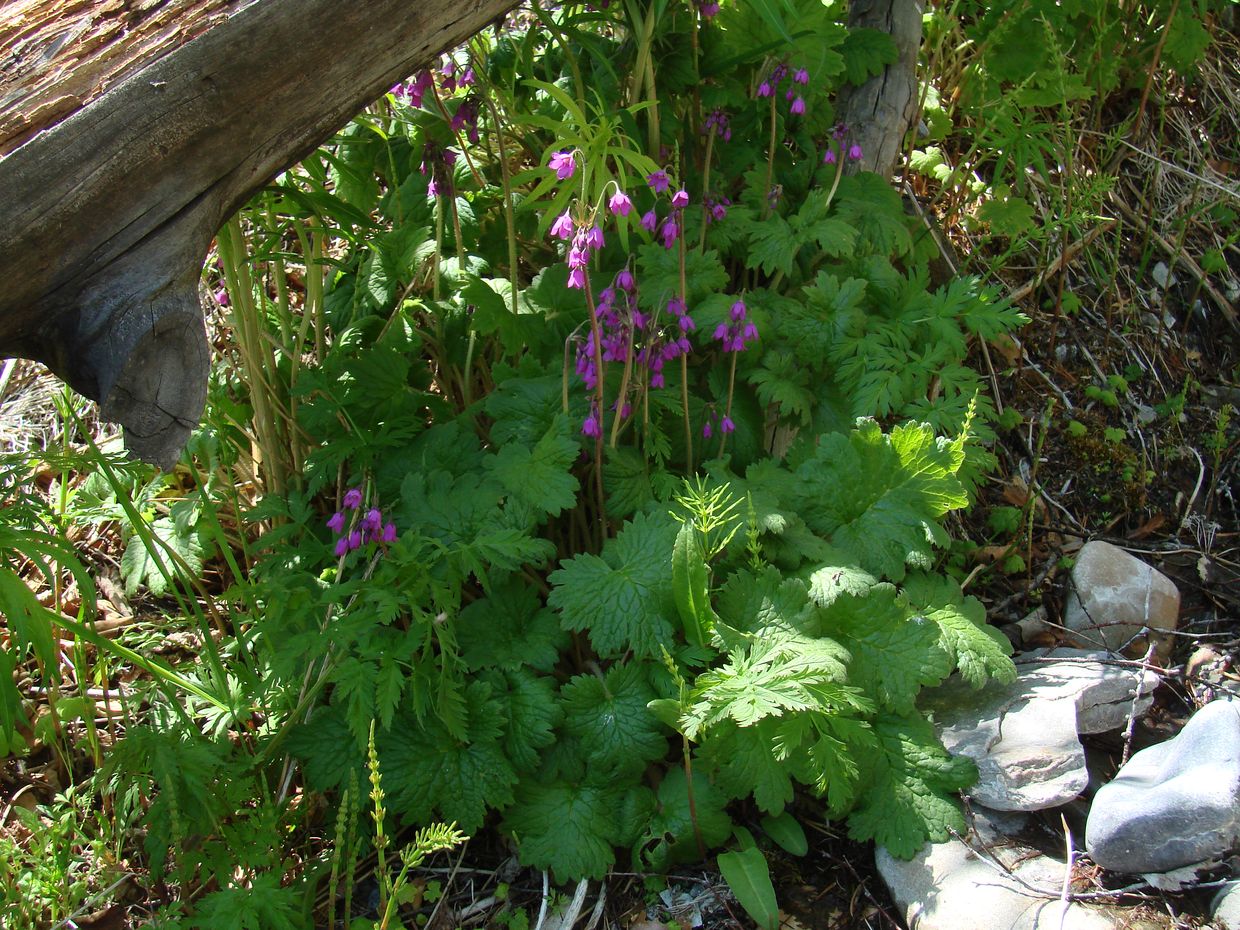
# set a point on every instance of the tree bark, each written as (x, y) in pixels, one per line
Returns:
(878, 112)
(106, 213)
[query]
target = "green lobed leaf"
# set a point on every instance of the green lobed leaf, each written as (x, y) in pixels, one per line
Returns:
(908, 798)
(427, 772)
(671, 836)
(893, 655)
(354, 693)
(765, 603)
(785, 383)
(1008, 216)
(870, 205)
(262, 903)
(775, 674)
(626, 480)
(979, 651)
(623, 598)
(744, 763)
(1186, 40)
(530, 712)
(610, 717)
(327, 749)
(822, 750)
(491, 300)
(879, 496)
(658, 269)
(570, 827)
(773, 246)
(510, 629)
(390, 681)
(523, 408)
(866, 52)
(541, 476)
(831, 581)
(152, 564)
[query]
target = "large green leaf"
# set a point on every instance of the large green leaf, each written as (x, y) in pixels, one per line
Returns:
(909, 792)
(623, 598)
(879, 497)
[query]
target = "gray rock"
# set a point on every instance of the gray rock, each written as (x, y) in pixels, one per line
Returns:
(1225, 910)
(1163, 276)
(947, 886)
(1174, 804)
(1023, 736)
(1114, 596)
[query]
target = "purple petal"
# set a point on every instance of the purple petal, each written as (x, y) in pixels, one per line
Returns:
(620, 204)
(562, 228)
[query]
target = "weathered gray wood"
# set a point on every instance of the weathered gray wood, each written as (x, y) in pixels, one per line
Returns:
(59, 55)
(105, 217)
(878, 112)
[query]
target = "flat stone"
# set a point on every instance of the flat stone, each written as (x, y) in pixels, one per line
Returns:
(1174, 804)
(1225, 909)
(1024, 735)
(947, 886)
(1114, 596)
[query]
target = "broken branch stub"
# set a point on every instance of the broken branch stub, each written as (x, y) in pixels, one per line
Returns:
(106, 215)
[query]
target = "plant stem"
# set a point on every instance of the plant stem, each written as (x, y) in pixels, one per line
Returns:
(684, 366)
(770, 163)
(723, 436)
(710, 147)
(624, 389)
(506, 179)
(597, 338)
(697, 828)
(438, 247)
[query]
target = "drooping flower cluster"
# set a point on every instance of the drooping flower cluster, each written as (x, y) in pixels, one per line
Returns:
(718, 122)
(448, 79)
(354, 529)
(716, 208)
(563, 163)
(437, 162)
(714, 421)
(669, 230)
(737, 331)
(838, 135)
(624, 328)
(620, 204)
(452, 77)
(466, 117)
(663, 344)
(626, 334)
(793, 95)
(413, 92)
(708, 8)
(584, 237)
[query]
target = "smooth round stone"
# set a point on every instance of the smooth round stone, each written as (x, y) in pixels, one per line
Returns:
(1174, 804)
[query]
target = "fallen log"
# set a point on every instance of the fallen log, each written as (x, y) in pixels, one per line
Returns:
(130, 130)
